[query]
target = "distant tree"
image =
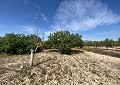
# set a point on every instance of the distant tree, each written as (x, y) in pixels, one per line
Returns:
(95, 44)
(118, 42)
(89, 43)
(111, 44)
(101, 43)
(108, 43)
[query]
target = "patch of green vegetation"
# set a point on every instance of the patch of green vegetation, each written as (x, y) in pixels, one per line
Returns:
(17, 43)
(64, 41)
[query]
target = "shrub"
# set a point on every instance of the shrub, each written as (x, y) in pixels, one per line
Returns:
(17, 43)
(64, 41)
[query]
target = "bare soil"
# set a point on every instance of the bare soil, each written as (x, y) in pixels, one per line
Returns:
(52, 68)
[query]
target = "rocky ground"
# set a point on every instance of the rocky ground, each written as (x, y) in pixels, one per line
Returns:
(52, 68)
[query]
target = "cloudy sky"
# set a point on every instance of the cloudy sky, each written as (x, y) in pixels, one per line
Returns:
(93, 19)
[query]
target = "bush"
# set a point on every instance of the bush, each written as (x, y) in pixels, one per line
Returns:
(64, 41)
(17, 43)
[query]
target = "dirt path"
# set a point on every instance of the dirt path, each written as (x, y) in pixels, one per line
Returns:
(51, 68)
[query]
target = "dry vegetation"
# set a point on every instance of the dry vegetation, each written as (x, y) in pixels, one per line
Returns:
(52, 68)
(115, 52)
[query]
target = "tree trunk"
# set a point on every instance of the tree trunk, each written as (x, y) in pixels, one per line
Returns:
(112, 46)
(107, 48)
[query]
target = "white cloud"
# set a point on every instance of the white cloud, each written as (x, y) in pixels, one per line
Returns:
(112, 32)
(36, 18)
(30, 29)
(36, 6)
(25, 2)
(44, 17)
(81, 15)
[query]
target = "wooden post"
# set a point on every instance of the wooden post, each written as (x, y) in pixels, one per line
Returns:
(31, 58)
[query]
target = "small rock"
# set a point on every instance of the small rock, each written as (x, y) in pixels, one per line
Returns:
(22, 67)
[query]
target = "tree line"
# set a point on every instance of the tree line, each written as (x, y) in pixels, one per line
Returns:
(105, 43)
(64, 41)
(21, 44)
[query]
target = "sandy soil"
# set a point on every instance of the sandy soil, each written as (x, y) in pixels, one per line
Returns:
(51, 68)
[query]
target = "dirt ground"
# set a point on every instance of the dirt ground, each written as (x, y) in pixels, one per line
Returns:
(52, 68)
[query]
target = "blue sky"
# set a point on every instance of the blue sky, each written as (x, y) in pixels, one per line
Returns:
(93, 19)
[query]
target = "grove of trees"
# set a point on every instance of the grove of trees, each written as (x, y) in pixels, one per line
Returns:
(64, 41)
(106, 43)
(21, 44)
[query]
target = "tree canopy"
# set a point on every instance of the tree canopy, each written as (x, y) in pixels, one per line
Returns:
(64, 41)
(17, 43)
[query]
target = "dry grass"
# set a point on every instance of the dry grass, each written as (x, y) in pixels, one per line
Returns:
(104, 51)
(52, 68)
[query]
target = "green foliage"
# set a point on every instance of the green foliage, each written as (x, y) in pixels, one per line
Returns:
(17, 43)
(1, 41)
(118, 42)
(108, 43)
(89, 43)
(64, 41)
(45, 45)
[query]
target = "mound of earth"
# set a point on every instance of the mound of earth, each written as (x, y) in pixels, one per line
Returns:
(52, 68)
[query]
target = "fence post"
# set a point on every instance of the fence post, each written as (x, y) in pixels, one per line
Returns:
(31, 57)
